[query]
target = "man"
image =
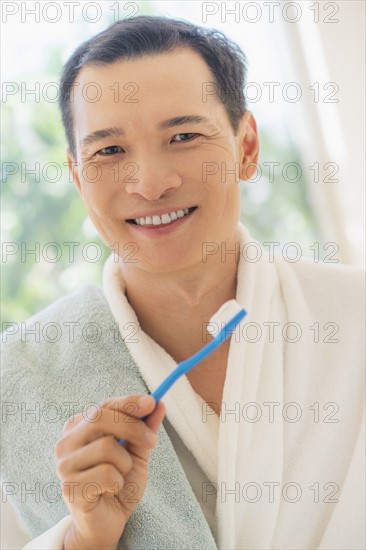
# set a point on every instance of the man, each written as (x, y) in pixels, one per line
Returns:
(285, 471)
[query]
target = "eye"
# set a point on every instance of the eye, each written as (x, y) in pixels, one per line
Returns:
(187, 136)
(108, 151)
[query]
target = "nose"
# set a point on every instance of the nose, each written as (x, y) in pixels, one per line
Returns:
(151, 178)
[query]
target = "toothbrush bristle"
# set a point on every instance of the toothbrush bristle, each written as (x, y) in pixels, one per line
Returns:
(226, 312)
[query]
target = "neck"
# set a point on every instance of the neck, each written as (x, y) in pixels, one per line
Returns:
(173, 308)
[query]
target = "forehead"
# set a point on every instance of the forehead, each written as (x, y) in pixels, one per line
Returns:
(165, 64)
(150, 88)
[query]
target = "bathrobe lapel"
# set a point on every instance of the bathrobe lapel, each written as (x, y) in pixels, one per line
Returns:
(250, 448)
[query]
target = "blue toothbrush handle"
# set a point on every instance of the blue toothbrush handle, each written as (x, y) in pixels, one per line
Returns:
(188, 364)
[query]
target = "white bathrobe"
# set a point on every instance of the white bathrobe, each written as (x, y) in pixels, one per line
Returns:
(285, 459)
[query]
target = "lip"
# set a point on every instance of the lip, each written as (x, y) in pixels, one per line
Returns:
(160, 211)
(164, 229)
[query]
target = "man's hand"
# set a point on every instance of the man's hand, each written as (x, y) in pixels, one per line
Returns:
(103, 481)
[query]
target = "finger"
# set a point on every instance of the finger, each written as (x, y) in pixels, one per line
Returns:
(104, 450)
(85, 488)
(110, 401)
(106, 422)
(129, 404)
(155, 419)
(71, 422)
(123, 404)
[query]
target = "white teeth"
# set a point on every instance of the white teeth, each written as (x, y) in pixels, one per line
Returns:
(163, 219)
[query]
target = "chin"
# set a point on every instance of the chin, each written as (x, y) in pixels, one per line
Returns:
(168, 263)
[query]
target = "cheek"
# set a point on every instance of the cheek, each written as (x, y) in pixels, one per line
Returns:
(217, 168)
(95, 202)
(99, 191)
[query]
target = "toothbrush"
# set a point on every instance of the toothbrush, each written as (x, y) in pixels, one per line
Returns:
(229, 314)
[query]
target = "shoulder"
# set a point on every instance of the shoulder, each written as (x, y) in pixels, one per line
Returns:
(81, 303)
(336, 275)
(326, 286)
(66, 328)
(78, 303)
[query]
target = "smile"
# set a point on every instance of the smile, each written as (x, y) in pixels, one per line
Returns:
(163, 219)
(156, 226)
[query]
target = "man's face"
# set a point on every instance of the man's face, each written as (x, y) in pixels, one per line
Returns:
(152, 168)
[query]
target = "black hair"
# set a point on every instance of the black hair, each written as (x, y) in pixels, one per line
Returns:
(145, 35)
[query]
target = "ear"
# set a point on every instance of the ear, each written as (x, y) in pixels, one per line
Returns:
(249, 146)
(73, 169)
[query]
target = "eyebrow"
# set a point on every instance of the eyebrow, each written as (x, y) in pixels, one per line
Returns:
(116, 131)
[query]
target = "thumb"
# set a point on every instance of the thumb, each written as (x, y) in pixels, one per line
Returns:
(155, 419)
